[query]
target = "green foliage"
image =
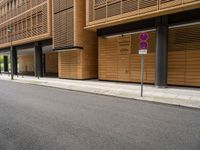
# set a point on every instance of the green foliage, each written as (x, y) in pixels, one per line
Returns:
(1, 59)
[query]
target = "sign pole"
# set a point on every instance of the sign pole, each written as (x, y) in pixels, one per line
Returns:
(143, 37)
(142, 74)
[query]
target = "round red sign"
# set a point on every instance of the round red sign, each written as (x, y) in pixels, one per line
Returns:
(144, 36)
(144, 45)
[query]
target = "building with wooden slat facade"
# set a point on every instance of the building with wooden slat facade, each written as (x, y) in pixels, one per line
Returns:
(48, 38)
(84, 39)
(174, 40)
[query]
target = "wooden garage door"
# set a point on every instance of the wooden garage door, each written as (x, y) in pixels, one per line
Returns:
(119, 59)
(184, 56)
(124, 51)
(69, 64)
(108, 59)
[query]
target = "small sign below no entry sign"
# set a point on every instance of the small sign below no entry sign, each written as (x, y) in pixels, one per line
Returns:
(143, 51)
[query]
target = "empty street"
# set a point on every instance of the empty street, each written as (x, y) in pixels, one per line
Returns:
(41, 118)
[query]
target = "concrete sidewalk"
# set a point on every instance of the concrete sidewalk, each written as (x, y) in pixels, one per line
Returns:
(188, 97)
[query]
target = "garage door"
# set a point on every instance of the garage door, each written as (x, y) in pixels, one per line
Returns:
(184, 56)
(119, 59)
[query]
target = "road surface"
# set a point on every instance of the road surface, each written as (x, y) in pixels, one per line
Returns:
(43, 118)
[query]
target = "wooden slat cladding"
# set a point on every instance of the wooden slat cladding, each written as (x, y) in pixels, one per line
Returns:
(36, 2)
(119, 59)
(63, 23)
(29, 20)
(108, 59)
(60, 5)
(91, 13)
(63, 29)
(102, 13)
(149, 3)
(184, 56)
(124, 51)
(129, 6)
(81, 63)
(99, 2)
(69, 64)
(114, 9)
(31, 24)
(169, 3)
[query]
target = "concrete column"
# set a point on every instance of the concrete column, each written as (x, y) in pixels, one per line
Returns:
(44, 64)
(161, 51)
(5, 63)
(38, 60)
(14, 60)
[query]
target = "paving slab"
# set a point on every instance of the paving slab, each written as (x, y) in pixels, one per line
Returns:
(181, 96)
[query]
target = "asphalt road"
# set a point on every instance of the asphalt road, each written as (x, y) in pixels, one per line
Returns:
(42, 118)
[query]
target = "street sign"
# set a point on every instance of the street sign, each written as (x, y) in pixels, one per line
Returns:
(143, 37)
(143, 51)
(144, 45)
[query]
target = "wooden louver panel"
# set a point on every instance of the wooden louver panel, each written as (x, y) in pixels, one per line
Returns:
(69, 64)
(184, 56)
(60, 5)
(102, 9)
(100, 13)
(63, 23)
(108, 59)
(99, 2)
(33, 23)
(114, 9)
(129, 6)
(169, 3)
(91, 13)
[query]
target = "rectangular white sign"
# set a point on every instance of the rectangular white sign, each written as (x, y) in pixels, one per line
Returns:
(143, 51)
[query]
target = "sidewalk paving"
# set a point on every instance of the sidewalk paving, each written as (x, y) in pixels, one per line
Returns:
(181, 96)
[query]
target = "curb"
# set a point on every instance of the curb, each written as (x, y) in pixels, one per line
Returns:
(173, 102)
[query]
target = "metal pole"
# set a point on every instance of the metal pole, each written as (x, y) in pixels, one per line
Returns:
(38, 74)
(11, 50)
(142, 74)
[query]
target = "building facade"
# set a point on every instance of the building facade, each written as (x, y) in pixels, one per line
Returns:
(77, 47)
(173, 27)
(48, 38)
(84, 39)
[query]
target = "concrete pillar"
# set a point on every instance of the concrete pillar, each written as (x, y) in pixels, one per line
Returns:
(5, 63)
(38, 60)
(44, 64)
(14, 61)
(161, 51)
